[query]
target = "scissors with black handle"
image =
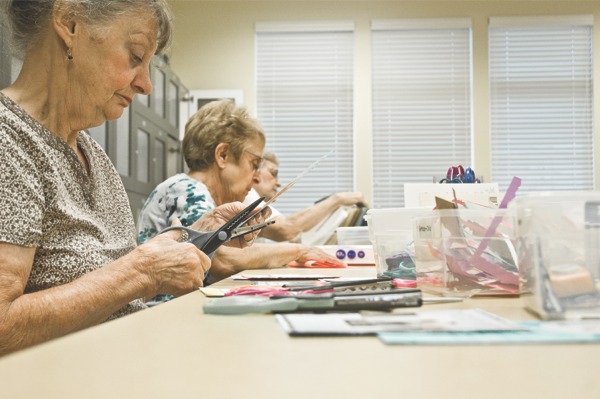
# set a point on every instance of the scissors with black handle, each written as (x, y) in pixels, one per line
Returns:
(209, 241)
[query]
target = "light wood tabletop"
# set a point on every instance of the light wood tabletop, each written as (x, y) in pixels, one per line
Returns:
(175, 350)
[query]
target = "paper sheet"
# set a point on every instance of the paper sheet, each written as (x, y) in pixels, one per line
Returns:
(368, 324)
(536, 332)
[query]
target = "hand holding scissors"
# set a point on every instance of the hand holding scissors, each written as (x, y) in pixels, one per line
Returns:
(217, 217)
(209, 242)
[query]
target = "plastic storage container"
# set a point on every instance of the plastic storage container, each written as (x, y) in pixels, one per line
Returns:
(464, 252)
(390, 232)
(386, 219)
(559, 250)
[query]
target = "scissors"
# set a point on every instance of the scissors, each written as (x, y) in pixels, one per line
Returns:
(209, 241)
(458, 174)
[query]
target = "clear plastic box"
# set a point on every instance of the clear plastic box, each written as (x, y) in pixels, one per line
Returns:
(392, 248)
(559, 250)
(465, 252)
(391, 219)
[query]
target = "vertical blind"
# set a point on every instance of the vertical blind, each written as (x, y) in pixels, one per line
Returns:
(421, 80)
(304, 78)
(542, 102)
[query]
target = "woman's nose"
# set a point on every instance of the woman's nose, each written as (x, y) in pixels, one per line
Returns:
(142, 82)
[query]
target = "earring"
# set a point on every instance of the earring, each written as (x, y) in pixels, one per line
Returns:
(69, 54)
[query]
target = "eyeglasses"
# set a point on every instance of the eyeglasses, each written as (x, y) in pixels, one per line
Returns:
(273, 172)
(259, 161)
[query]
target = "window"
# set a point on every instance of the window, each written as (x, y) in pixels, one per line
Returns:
(304, 77)
(542, 102)
(421, 80)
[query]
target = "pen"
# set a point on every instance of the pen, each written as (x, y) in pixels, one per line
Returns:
(260, 304)
(357, 284)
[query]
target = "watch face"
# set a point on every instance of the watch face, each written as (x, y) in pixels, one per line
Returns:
(184, 236)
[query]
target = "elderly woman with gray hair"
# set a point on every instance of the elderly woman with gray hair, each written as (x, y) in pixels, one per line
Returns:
(223, 149)
(68, 254)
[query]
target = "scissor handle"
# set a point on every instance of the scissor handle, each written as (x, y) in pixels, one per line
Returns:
(198, 238)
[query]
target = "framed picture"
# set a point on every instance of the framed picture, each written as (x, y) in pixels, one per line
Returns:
(201, 97)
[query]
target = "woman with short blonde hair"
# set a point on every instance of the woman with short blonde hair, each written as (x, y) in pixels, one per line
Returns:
(218, 122)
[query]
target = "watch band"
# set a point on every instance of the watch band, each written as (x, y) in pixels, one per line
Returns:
(184, 234)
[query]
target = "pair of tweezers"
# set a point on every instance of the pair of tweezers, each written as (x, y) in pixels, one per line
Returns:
(209, 241)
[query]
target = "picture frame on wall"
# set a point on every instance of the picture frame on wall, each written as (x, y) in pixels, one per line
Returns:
(202, 97)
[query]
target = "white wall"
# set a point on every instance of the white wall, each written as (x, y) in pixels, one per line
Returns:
(214, 49)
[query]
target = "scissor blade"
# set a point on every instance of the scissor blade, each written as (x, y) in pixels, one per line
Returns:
(240, 231)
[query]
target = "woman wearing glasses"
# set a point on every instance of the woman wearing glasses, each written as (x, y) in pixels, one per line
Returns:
(288, 228)
(223, 149)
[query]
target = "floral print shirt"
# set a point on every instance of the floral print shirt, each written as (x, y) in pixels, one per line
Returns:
(180, 196)
(77, 222)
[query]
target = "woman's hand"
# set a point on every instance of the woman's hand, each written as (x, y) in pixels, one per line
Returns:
(313, 253)
(228, 261)
(173, 267)
(350, 198)
(248, 239)
(217, 217)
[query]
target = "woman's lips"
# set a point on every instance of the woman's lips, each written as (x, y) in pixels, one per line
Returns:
(127, 99)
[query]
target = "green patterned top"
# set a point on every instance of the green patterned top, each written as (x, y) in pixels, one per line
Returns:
(180, 196)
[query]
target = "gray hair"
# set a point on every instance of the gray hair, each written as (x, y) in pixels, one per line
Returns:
(218, 122)
(28, 18)
(271, 157)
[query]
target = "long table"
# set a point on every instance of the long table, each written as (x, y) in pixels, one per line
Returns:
(174, 350)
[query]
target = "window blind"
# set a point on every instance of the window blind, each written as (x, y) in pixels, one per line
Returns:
(421, 80)
(542, 102)
(304, 78)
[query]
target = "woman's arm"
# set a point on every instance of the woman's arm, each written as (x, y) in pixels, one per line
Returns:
(228, 261)
(287, 228)
(161, 266)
